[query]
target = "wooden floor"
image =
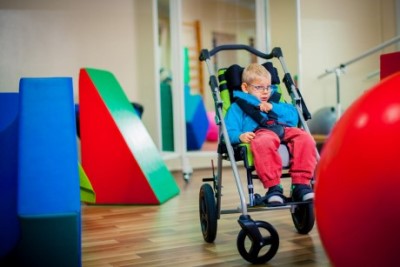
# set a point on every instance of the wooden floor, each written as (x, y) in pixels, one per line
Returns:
(170, 234)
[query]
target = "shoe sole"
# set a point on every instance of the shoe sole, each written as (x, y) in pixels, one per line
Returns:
(308, 197)
(275, 200)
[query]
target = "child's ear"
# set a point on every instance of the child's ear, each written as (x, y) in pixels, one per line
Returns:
(244, 87)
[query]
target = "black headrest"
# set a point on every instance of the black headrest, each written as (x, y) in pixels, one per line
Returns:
(273, 71)
(233, 75)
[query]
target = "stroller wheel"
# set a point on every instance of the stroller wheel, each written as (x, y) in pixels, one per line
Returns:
(303, 217)
(258, 253)
(208, 213)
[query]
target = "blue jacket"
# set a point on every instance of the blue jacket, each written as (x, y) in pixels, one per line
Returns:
(238, 122)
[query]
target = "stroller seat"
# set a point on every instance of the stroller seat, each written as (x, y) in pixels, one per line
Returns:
(230, 79)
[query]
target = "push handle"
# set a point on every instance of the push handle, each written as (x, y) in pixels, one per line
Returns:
(206, 54)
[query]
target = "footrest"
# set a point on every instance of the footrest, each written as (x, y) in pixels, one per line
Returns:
(260, 202)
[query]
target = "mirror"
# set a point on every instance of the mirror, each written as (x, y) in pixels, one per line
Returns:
(206, 24)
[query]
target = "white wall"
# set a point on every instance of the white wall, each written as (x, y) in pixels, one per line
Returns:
(46, 38)
(283, 29)
(57, 38)
(145, 71)
(335, 32)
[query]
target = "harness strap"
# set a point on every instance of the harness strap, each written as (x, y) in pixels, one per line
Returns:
(264, 121)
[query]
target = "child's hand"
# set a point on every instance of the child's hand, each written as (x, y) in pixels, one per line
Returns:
(247, 137)
(265, 106)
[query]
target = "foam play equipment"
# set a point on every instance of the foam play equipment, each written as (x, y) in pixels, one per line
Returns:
(357, 184)
(196, 120)
(87, 193)
(118, 154)
(212, 132)
(195, 113)
(48, 178)
(9, 225)
(138, 108)
(78, 131)
(167, 118)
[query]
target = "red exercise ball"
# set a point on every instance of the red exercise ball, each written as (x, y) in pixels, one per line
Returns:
(357, 190)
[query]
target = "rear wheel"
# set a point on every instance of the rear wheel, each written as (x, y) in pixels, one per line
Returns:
(303, 217)
(208, 213)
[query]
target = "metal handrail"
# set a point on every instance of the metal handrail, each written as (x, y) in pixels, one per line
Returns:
(338, 70)
(367, 53)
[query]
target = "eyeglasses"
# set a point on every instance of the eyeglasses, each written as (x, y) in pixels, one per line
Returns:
(261, 88)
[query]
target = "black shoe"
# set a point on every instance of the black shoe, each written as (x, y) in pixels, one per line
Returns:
(274, 195)
(302, 192)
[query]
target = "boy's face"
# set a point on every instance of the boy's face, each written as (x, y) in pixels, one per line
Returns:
(259, 87)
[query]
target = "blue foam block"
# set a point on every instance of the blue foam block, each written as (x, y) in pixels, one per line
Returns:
(196, 121)
(48, 157)
(48, 175)
(9, 227)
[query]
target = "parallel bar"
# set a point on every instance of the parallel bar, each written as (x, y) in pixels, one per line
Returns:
(371, 51)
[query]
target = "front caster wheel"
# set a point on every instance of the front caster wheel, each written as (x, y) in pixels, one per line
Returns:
(208, 213)
(258, 253)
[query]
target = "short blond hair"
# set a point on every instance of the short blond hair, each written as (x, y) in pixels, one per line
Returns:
(253, 71)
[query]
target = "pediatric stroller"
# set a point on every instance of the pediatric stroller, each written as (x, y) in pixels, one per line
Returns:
(261, 248)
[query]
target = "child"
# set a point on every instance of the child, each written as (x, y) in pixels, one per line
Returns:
(257, 118)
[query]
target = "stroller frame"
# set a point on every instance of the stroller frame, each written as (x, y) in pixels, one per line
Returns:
(210, 196)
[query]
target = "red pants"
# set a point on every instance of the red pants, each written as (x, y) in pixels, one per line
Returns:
(268, 162)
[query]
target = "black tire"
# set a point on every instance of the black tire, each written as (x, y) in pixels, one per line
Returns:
(208, 213)
(256, 253)
(303, 218)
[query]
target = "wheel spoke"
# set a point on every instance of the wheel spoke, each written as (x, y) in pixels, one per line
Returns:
(254, 250)
(267, 240)
(202, 207)
(203, 219)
